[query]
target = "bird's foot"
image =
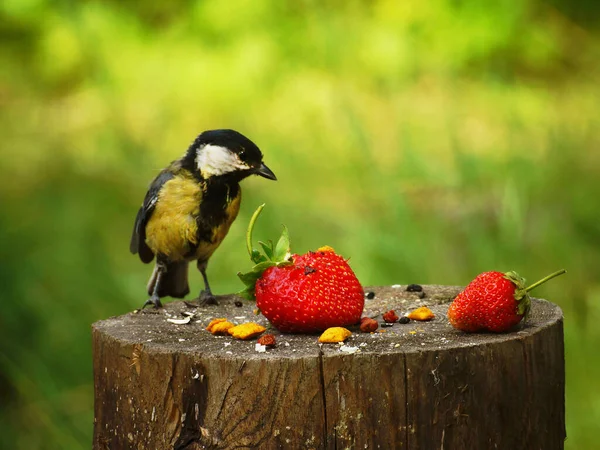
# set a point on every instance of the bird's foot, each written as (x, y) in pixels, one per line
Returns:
(155, 301)
(206, 297)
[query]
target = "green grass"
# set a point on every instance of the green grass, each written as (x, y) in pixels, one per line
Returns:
(427, 142)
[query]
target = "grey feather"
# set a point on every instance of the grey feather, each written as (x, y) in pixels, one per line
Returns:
(138, 236)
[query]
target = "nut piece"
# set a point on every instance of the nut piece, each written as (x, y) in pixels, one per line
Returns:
(246, 330)
(368, 325)
(219, 326)
(268, 340)
(180, 321)
(390, 316)
(422, 313)
(326, 248)
(214, 321)
(334, 334)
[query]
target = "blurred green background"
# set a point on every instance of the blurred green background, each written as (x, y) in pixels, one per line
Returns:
(428, 141)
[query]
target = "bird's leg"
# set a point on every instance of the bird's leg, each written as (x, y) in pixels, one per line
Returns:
(206, 296)
(154, 298)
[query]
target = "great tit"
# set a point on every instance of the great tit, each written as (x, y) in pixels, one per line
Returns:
(189, 208)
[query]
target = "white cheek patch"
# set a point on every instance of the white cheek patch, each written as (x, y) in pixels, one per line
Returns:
(216, 160)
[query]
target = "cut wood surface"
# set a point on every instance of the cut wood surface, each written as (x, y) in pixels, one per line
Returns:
(421, 385)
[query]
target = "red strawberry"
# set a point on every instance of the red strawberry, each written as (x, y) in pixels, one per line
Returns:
(493, 301)
(302, 293)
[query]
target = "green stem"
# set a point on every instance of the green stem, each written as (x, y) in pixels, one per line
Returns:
(543, 280)
(251, 227)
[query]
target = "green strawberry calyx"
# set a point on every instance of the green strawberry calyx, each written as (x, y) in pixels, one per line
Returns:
(522, 296)
(278, 255)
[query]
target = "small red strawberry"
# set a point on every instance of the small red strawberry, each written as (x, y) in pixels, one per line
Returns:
(302, 293)
(493, 301)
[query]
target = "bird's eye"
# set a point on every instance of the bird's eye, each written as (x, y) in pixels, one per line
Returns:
(242, 154)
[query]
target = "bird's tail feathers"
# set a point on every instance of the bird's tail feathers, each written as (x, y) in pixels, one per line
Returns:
(173, 283)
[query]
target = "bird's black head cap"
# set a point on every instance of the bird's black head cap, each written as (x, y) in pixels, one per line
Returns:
(226, 153)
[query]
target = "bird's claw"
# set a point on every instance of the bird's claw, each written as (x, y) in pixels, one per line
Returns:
(207, 298)
(155, 301)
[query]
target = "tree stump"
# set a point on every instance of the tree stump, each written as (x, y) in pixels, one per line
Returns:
(421, 385)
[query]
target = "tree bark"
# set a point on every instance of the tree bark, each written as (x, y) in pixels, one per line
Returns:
(421, 385)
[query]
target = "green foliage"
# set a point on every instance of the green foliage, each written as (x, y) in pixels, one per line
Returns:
(428, 141)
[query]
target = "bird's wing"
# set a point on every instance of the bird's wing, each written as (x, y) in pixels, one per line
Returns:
(138, 237)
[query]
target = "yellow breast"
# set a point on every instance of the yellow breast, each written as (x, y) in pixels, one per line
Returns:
(172, 228)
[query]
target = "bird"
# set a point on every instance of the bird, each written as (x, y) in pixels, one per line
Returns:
(189, 208)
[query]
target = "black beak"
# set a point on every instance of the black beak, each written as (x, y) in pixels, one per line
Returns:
(265, 172)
